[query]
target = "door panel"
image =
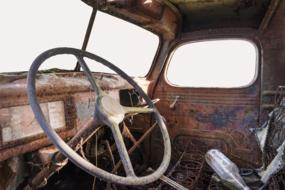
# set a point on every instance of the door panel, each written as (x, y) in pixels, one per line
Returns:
(224, 115)
(199, 119)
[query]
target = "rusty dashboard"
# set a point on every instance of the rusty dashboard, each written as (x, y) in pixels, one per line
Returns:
(66, 101)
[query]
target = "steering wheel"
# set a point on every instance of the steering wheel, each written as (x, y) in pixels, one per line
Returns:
(108, 111)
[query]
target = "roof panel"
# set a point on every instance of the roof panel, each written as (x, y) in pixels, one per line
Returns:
(206, 14)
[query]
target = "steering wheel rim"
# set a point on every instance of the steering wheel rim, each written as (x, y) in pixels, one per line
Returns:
(131, 178)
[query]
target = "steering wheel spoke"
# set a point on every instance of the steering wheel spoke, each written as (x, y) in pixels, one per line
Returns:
(121, 147)
(89, 75)
(107, 111)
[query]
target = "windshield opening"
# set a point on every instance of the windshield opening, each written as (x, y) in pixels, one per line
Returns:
(49, 24)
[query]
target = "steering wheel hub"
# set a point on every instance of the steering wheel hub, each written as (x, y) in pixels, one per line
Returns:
(113, 109)
(107, 111)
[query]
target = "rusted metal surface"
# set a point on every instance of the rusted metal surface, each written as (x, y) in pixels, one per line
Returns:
(211, 118)
(71, 88)
(221, 115)
(196, 15)
(237, 110)
(217, 117)
(57, 84)
(31, 145)
(154, 15)
(199, 15)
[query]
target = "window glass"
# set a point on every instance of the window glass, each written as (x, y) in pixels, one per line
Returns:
(129, 47)
(216, 63)
(30, 27)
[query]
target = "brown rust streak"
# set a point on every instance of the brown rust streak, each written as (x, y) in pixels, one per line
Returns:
(230, 111)
(155, 15)
(59, 83)
(32, 146)
(50, 87)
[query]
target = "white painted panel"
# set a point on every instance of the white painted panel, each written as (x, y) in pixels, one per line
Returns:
(19, 122)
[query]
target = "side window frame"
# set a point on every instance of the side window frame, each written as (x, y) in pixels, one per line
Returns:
(185, 41)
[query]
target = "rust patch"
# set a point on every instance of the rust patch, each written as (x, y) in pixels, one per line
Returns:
(71, 88)
(155, 15)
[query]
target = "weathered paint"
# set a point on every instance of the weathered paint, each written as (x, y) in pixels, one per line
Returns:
(215, 113)
(70, 88)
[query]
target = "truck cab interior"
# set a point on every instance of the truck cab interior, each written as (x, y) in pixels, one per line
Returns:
(190, 96)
